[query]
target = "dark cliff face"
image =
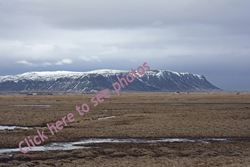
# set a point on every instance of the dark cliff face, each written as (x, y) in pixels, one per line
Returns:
(154, 80)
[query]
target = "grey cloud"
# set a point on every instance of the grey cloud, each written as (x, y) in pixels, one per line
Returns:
(64, 61)
(91, 58)
(120, 13)
(61, 62)
(25, 62)
(208, 37)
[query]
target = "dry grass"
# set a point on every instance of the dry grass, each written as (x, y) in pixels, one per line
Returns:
(139, 116)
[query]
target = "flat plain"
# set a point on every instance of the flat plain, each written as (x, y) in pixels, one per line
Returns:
(220, 119)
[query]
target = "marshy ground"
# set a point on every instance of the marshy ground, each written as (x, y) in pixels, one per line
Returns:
(132, 116)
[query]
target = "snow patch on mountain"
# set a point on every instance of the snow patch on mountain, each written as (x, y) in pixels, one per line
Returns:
(92, 81)
(54, 75)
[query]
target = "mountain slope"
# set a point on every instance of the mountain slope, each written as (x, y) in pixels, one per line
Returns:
(66, 81)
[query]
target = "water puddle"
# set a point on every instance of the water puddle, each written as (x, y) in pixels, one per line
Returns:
(12, 127)
(21, 127)
(106, 117)
(31, 105)
(62, 146)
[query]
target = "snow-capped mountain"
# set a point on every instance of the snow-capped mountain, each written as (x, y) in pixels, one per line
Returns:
(97, 80)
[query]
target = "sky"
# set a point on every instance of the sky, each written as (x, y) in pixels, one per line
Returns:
(206, 37)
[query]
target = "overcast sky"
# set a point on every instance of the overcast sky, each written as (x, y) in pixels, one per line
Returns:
(207, 37)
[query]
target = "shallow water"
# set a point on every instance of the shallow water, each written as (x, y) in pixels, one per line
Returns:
(22, 127)
(106, 117)
(103, 110)
(50, 147)
(73, 145)
(12, 127)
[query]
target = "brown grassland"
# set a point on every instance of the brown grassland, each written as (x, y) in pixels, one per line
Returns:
(143, 116)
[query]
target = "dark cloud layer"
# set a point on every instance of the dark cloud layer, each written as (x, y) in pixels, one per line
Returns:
(208, 37)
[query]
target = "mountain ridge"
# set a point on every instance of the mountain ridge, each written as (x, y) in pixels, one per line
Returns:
(97, 80)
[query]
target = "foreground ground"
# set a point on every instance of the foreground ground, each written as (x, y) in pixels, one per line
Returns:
(145, 116)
